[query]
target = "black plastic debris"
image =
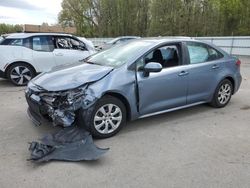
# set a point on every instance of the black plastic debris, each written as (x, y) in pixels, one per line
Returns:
(69, 144)
(39, 150)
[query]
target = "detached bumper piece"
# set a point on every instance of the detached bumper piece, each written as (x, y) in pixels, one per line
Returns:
(69, 144)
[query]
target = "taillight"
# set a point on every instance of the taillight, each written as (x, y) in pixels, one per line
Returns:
(238, 62)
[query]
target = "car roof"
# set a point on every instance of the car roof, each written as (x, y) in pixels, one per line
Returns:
(128, 37)
(162, 40)
(155, 41)
(26, 35)
(167, 39)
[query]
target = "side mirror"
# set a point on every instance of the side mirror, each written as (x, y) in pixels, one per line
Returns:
(151, 67)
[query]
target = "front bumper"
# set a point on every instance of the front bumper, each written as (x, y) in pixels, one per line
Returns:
(61, 108)
(35, 118)
(34, 112)
(2, 74)
(40, 112)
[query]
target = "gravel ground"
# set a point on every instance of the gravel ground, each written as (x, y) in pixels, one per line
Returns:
(195, 147)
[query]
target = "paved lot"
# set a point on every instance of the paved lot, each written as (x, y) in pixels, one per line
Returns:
(195, 147)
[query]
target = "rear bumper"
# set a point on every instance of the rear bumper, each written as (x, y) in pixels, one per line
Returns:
(238, 81)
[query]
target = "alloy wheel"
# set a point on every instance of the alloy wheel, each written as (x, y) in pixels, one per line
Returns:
(224, 93)
(20, 75)
(107, 118)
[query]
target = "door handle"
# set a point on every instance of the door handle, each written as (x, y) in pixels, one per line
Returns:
(215, 66)
(183, 73)
(58, 54)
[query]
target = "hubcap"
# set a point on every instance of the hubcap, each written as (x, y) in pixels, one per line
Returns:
(224, 93)
(107, 118)
(20, 75)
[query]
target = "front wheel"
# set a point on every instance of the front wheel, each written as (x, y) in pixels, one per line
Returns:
(223, 94)
(106, 118)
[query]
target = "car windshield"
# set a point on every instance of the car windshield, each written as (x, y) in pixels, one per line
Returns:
(112, 41)
(120, 54)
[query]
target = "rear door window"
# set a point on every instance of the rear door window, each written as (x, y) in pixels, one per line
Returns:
(200, 53)
(42, 43)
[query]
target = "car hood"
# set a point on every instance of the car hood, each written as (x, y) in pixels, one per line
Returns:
(71, 76)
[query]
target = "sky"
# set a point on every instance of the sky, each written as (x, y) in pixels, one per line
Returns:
(29, 11)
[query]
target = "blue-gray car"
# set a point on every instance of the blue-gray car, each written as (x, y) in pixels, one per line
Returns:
(142, 78)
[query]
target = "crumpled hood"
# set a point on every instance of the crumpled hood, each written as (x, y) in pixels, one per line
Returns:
(71, 76)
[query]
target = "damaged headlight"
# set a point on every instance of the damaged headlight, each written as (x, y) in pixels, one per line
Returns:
(71, 99)
(80, 97)
(49, 99)
(74, 95)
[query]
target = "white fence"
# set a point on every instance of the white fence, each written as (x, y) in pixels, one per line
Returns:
(232, 45)
(99, 41)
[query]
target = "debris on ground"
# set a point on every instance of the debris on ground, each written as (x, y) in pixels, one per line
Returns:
(68, 144)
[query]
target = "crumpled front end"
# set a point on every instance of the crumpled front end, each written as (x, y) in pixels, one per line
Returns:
(59, 107)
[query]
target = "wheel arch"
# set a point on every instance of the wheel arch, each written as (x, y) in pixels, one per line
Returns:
(123, 99)
(15, 62)
(231, 79)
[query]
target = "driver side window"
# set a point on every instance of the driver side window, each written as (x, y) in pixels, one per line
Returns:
(168, 56)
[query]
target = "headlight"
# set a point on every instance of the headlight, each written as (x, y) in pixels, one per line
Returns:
(49, 99)
(64, 99)
(75, 94)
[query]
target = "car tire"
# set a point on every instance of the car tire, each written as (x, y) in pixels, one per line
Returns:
(20, 74)
(104, 119)
(223, 94)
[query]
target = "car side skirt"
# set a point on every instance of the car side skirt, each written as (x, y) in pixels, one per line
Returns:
(172, 109)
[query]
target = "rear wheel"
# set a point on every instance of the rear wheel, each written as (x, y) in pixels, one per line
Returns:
(106, 118)
(222, 94)
(20, 73)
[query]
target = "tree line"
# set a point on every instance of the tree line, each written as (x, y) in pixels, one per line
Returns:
(8, 28)
(109, 18)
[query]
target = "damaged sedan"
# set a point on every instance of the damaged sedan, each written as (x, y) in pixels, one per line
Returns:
(138, 79)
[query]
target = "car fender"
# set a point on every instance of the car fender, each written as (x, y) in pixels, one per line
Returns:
(13, 54)
(118, 84)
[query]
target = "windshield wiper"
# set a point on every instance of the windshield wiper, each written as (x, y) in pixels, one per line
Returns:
(93, 63)
(90, 62)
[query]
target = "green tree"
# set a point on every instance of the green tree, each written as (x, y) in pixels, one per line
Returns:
(110, 18)
(7, 28)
